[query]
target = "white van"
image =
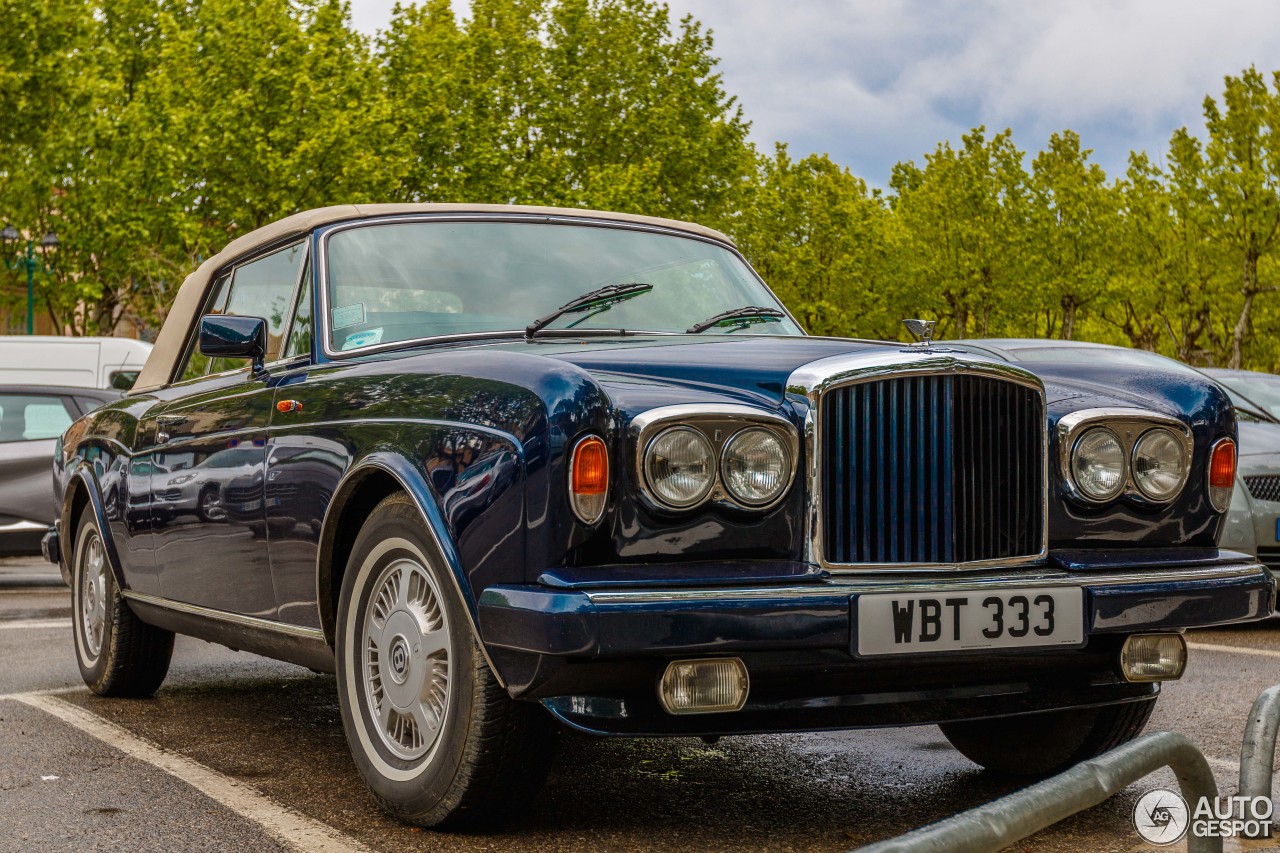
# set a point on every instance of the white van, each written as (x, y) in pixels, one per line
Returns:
(75, 362)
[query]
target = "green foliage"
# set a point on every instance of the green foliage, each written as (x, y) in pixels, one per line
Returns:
(149, 133)
(580, 103)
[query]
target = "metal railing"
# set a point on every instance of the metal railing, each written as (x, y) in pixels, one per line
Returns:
(1258, 751)
(1022, 813)
(1013, 817)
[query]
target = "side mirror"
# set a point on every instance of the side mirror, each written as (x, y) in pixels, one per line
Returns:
(227, 336)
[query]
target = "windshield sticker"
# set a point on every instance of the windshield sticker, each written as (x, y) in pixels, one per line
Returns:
(355, 340)
(348, 315)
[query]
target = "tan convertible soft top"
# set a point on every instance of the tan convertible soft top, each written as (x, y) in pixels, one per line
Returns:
(160, 365)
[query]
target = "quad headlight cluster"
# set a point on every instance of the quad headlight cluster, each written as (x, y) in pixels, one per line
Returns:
(688, 455)
(1109, 453)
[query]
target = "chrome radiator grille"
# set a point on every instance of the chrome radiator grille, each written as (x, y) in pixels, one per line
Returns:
(932, 469)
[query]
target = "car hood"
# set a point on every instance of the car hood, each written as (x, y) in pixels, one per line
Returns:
(1260, 440)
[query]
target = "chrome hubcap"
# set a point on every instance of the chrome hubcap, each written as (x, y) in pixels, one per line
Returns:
(93, 593)
(406, 655)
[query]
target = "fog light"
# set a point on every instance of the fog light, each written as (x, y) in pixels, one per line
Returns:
(1153, 657)
(704, 686)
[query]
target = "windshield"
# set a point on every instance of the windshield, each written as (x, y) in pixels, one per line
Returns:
(402, 281)
(1263, 392)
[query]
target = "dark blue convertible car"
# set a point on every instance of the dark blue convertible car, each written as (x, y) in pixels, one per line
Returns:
(504, 468)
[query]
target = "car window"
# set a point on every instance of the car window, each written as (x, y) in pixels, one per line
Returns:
(401, 281)
(123, 380)
(1263, 392)
(88, 404)
(197, 362)
(28, 417)
(299, 342)
(264, 288)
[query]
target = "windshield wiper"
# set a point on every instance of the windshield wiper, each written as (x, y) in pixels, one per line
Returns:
(745, 317)
(598, 300)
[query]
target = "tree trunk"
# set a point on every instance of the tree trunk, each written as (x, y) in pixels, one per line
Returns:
(1249, 290)
(1069, 309)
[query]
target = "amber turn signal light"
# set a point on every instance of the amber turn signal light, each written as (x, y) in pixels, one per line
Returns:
(589, 478)
(1222, 473)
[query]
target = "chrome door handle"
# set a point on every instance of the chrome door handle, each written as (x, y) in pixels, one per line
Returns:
(170, 420)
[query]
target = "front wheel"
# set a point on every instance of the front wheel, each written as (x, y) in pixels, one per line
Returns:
(434, 735)
(1044, 743)
(118, 653)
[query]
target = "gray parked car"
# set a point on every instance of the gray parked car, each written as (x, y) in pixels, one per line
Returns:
(1256, 397)
(32, 417)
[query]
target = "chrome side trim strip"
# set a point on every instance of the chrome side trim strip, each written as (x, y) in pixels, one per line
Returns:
(225, 616)
(850, 585)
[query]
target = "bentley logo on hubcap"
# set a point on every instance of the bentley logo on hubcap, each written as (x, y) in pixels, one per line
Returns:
(399, 659)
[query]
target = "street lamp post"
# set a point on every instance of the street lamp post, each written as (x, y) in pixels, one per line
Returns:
(10, 237)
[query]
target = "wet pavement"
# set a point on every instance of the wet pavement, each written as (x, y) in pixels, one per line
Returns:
(274, 729)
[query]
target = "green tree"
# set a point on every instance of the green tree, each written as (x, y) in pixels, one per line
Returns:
(1232, 181)
(963, 218)
(591, 103)
(819, 237)
(1070, 230)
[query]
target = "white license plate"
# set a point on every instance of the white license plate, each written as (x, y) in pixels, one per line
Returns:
(894, 624)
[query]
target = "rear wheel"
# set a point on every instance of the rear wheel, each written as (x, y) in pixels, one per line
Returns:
(436, 738)
(1044, 743)
(118, 654)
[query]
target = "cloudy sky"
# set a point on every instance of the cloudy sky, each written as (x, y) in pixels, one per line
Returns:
(873, 82)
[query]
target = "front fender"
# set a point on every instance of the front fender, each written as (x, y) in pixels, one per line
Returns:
(84, 479)
(410, 479)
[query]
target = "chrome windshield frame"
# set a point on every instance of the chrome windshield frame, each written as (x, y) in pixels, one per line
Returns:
(321, 259)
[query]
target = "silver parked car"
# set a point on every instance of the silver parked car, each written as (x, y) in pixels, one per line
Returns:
(1256, 397)
(31, 419)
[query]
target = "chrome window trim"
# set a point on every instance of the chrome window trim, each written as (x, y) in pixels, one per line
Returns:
(812, 381)
(1129, 425)
(888, 582)
(322, 268)
(647, 425)
(226, 616)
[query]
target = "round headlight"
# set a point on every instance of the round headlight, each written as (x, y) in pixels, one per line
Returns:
(680, 466)
(1159, 465)
(1097, 464)
(756, 466)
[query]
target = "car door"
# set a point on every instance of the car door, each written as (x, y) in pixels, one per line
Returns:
(30, 423)
(208, 453)
(304, 466)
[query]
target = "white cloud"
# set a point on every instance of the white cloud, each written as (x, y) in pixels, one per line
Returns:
(873, 82)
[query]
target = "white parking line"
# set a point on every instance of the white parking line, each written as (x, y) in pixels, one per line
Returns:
(35, 624)
(284, 824)
(1235, 650)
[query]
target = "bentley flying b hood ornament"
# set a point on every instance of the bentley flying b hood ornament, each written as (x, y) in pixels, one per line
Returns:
(923, 331)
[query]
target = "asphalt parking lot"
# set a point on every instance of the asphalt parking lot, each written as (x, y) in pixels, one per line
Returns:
(237, 752)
